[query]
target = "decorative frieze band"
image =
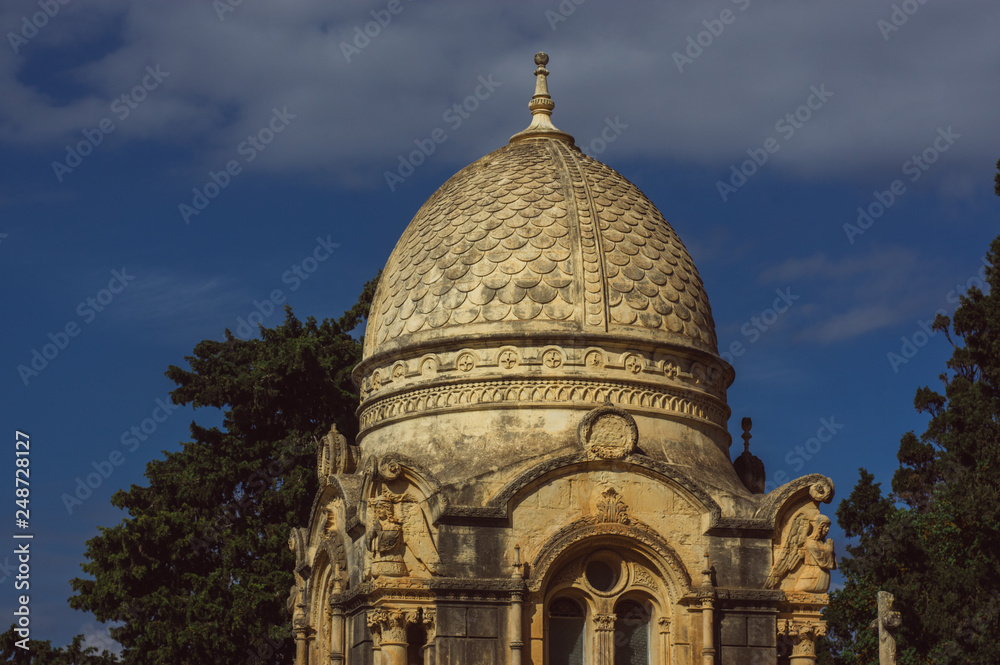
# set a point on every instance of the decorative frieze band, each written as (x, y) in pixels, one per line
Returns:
(541, 391)
(623, 364)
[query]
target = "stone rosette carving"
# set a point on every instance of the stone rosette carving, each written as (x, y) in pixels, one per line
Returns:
(821, 491)
(608, 433)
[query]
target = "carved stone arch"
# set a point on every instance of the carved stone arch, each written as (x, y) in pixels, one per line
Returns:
(501, 505)
(589, 534)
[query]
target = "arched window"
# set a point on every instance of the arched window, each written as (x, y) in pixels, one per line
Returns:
(566, 628)
(631, 633)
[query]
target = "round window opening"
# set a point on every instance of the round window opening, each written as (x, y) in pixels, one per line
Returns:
(601, 575)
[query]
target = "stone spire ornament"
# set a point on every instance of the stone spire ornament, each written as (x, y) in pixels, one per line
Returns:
(541, 106)
(749, 467)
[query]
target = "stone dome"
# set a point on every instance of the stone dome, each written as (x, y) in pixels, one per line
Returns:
(535, 285)
(535, 238)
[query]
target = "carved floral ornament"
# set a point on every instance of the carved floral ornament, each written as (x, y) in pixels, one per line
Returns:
(611, 508)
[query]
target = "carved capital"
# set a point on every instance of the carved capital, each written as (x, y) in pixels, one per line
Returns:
(429, 620)
(797, 638)
(390, 624)
(604, 622)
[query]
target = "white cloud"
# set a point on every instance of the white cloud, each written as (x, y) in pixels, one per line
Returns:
(97, 635)
(354, 118)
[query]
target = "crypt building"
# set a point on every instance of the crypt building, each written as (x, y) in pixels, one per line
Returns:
(543, 472)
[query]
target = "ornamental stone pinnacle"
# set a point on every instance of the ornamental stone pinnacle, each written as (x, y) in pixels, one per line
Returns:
(541, 106)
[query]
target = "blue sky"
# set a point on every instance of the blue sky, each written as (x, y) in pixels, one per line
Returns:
(168, 166)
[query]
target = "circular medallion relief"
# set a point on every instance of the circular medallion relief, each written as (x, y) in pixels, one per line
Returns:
(608, 432)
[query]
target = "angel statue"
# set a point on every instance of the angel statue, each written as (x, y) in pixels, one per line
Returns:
(806, 543)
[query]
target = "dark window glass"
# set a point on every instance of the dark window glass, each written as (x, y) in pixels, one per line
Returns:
(566, 624)
(631, 633)
(601, 576)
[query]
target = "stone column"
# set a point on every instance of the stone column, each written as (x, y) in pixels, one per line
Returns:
(301, 628)
(390, 625)
(664, 624)
(336, 632)
(515, 620)
(604, 625)
(708, 632)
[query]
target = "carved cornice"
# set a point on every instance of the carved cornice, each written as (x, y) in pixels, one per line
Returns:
(430, 590)
(766, 597)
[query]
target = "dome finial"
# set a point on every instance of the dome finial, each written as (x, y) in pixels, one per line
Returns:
(541, 106)
(746, 424)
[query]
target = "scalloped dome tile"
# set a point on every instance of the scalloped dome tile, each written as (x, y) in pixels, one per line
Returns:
(533, 234)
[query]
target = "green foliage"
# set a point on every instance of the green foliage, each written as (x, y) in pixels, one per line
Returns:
(199, 571)
(41, 652)
(934, 541)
